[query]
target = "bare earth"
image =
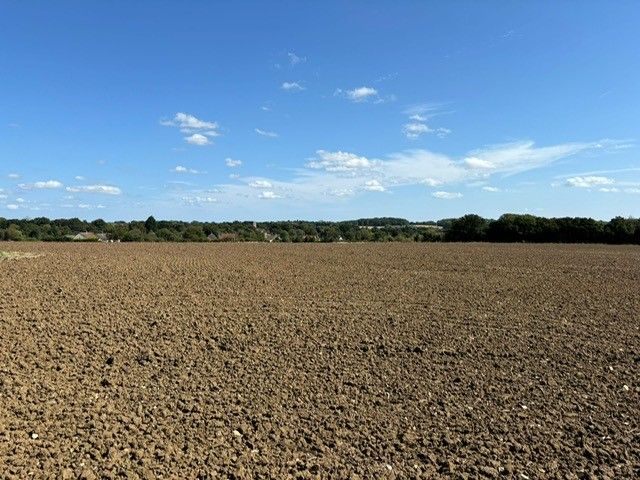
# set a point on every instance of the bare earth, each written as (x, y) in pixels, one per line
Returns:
(320, 361)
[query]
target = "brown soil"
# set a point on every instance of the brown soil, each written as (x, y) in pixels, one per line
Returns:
(320, 361)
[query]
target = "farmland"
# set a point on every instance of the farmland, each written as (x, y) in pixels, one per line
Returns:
(319, 361)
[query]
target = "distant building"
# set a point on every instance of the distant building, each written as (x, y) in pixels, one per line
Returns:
(88, 237)
(223, 237)
(271, 237)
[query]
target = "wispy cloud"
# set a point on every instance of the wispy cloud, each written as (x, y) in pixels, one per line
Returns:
(100, 189)
(418, 115)
(415, 129)
(446, 195)
(588, 182)
(266, 133)
(292, 86)
(373, 186)
(490, 189)
(295, 59)
(199, 132)
(232, 163)
(48, 184)
(260, 184)
(333, 175)
(422, 112)
(14, 176)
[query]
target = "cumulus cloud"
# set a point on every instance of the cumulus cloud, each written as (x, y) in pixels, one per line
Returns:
(199, 132)
(44, 185)
(189, 122)
(260, 184)
(181, 169)
(292, 86)
(269, 195)
(100, 189)
(266, 133)
(361, 94)
(588, 182)
(340, 162)
(12, 206)
(446, 195)
(232, 163)
(199, 200)
(197, 139)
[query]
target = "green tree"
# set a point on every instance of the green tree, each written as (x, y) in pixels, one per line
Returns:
(14, 233)
(150, 224)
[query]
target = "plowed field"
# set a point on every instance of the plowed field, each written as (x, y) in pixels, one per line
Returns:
(319, 361)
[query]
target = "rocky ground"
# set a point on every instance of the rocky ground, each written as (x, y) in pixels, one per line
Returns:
(320, 361)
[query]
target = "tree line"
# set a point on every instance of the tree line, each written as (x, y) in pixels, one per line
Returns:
(469, 228)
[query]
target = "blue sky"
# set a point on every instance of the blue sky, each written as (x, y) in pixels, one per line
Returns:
(318, 110)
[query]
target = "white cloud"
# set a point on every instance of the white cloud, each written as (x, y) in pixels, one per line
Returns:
(197, 139)
(340, 162)
(361, 94)
(14, 175)
(292, 86)
(608, 190)
(181, 169)
(12, 206)
(260, 184)
(102, 189)
(418, 115)
(588, 182)
(48, 184)
(266, 133)
(479, 163)
(80, 178)
(295, 59)
(632, 190)
(446, 195)
(511, 158)
(490, 189)
(231, 163)
(197, 200)
(332, 175)
(422, 112)
(374, 186)
(186, 121)
(343, 192)
(268, 195)
(198, 131)
(19, 200)
(233, 176)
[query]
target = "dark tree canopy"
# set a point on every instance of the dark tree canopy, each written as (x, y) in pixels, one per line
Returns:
(469, 228)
